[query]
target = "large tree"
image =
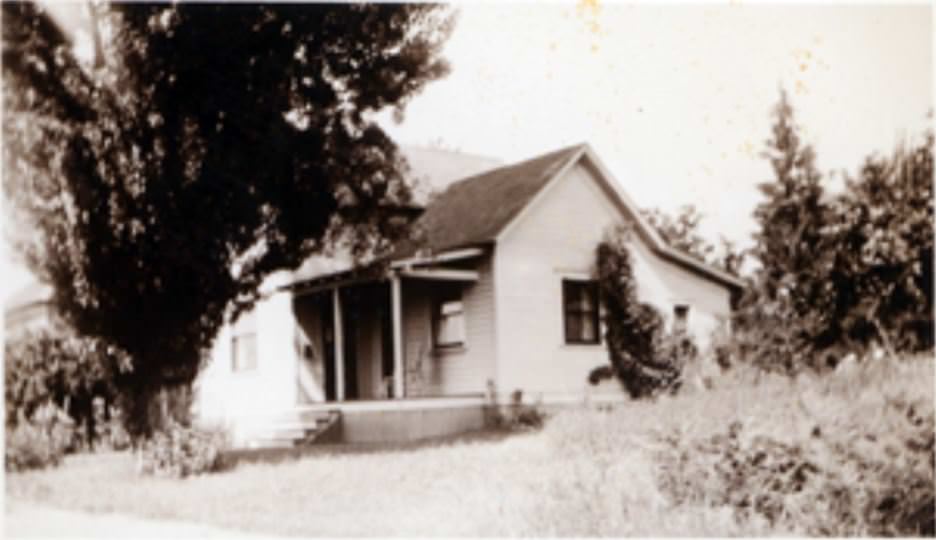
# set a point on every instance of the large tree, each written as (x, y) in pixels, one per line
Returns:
(792, 214)
(776, 317)
(839, 272)
(203, 148)
(880, 241)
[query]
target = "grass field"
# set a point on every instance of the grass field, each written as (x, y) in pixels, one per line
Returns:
(649, 468)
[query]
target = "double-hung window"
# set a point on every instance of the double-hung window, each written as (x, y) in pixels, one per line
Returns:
(244, 344)
(581, 311)
(449, 319)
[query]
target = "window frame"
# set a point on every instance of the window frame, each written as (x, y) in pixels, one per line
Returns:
(590, 286)
(238, 364)
(442, 297)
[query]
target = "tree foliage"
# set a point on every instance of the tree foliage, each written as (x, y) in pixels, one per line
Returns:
(777, 317)
(59, 368)
(204, 148)
(792, 216)
(878, 252)
(839, 272)
(681, 231)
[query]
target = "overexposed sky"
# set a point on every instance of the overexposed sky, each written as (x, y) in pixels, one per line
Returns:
(675, 99)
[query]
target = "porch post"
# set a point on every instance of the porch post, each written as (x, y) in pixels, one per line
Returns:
(396, 314)
(338, 324)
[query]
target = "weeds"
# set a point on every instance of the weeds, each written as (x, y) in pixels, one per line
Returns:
(846, 454)
(850, 453)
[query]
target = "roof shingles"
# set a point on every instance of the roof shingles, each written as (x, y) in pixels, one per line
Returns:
(473, 211)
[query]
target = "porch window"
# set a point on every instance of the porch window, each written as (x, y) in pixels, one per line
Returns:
(580, 311)
(449, 320)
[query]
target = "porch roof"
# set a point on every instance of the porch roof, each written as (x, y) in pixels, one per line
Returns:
(427, 268)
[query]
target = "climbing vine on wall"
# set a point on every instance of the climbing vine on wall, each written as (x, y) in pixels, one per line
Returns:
(641, 354)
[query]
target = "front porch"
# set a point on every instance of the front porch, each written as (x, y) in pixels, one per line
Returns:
(361, 336)
(397, 353)
(367, 421)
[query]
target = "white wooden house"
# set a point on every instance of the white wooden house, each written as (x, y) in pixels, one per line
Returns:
(498, 299)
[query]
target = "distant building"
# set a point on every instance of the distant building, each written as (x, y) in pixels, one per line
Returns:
(29, 308)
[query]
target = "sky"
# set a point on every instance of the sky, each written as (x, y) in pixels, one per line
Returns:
(675, 98)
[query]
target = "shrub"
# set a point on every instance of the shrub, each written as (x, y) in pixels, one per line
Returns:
(518, 416)
(600, 373)
(179, 451)
(60, 366)
(841, 458)
(112, 435)
(39, 442)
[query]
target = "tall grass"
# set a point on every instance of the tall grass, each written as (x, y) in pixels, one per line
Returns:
(846, 454)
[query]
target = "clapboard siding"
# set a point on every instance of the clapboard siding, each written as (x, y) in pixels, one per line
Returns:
(432, 372)
(225, 396)
(556, 238)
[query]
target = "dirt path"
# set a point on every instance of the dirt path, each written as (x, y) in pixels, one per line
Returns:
(28, 520)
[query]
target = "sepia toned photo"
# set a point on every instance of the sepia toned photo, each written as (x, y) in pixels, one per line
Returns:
(501, 269)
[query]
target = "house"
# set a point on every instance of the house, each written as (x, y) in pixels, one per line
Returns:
(496, 302)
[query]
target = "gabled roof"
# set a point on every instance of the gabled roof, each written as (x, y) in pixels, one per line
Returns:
(480, 209)
(475, 210)
(431, 170)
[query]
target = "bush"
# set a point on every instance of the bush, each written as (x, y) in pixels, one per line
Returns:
(179, 451)
(600, 373)
(39, 442)
(851, 459)
(518, 416)
(113, 436)
(60, 366)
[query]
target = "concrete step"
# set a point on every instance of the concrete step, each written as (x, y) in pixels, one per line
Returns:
(316, 416)
(279, 432)
(288, 431)
(258, 443)
(299, 425)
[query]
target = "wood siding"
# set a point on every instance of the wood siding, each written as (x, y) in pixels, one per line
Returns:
(556, 238)
(226, 397)
(463, 370)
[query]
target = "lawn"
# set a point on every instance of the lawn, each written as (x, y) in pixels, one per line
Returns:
(644, 469)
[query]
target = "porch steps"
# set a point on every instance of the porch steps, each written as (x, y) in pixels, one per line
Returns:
(296, 429)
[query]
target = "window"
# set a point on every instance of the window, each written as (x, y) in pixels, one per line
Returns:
(449, 320)
(244, 352)
(680, 318)
(244, 344)
(580, 309)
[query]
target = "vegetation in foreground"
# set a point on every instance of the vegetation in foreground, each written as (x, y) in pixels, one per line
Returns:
(850, 453)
